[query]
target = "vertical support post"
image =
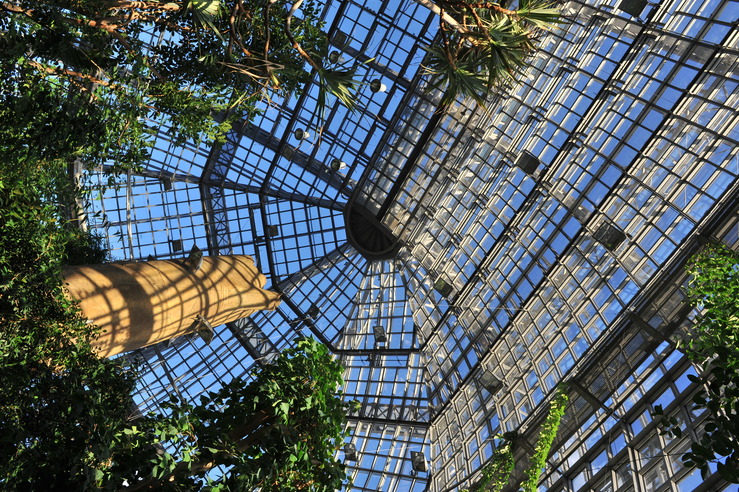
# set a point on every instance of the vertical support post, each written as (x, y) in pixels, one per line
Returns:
(139, 304)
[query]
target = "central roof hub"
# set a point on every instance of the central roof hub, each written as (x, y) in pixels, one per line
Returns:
(368, 236)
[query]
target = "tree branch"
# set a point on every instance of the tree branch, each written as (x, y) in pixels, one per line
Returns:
(448, 19)
(132, 5)
(72, 73)
(290, 36)
(266, 28)
(483, 5)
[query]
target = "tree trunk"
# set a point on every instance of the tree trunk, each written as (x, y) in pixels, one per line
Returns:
(448, 19)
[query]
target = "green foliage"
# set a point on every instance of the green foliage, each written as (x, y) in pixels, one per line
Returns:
(79, 82)
(65, 414)
(338, 82)
(278, 432)
(546, 437)
(714, 290)
(46, 118)
(484, 45)
(60, 405)
(84, 247)
(497, 472)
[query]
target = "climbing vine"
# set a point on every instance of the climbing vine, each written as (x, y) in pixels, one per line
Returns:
(546, 437)
(497, 472)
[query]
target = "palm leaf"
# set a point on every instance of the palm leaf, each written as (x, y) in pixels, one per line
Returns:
(339, 83)
(494, 50)
(205, 12)
(540, 14)
(457, 79)
(505, 53)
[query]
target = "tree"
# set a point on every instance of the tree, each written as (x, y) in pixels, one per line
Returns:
(60, 405)
(87, 80)
(66, 419)
(714, 346)
(90, 80)
(278, 432)
(65, 414)
(483, 44)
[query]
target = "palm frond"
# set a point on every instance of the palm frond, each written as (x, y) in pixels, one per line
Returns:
(458, 78)
(205, 12)
(493, 50)
(339, 83)
(466, 83)
(504, 54)
(540, 14)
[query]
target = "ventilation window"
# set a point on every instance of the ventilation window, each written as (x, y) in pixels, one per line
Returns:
(418, 461)
(632, 7)
(443, 288)
(609, 236)
(528, 162)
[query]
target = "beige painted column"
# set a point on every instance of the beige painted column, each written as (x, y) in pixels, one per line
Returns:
(139, 304)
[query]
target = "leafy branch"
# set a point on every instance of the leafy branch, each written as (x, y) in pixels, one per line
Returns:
(713, 345)
(277, 432)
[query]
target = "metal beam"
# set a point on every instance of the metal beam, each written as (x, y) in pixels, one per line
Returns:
(381, 352)
(413, 158)
(259, 347)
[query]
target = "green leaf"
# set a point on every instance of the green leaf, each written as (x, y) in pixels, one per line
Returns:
(727, 473)
(694, 379)
(699, 398)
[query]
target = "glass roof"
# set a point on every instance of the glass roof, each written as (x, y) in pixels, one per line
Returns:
(540, 241)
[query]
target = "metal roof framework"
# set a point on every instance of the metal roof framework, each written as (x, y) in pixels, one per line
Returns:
(565, 265)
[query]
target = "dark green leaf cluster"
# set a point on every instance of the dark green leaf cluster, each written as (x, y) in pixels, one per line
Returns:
(60, 405)
(714, 345)
(81, 80)
(47, 116)
(249, 51)
(84, 247)
(278, 432)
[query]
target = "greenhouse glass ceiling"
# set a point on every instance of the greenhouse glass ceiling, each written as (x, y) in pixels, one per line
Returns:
(461, 263)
